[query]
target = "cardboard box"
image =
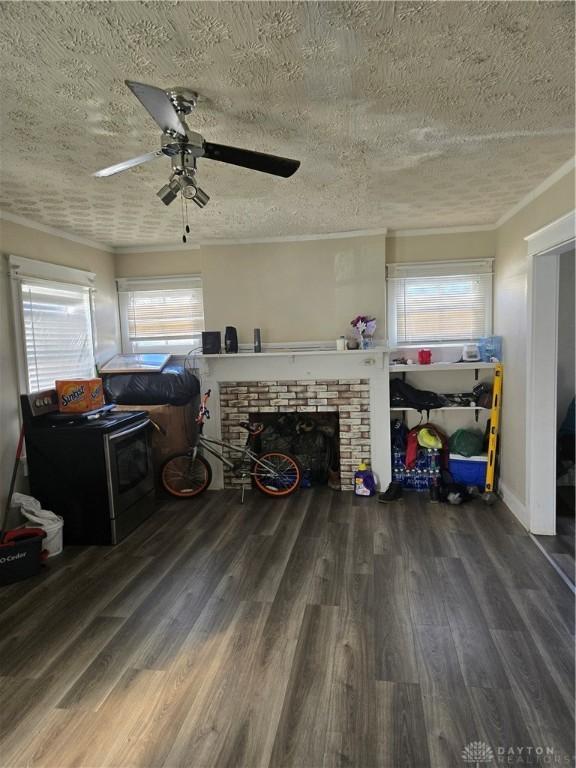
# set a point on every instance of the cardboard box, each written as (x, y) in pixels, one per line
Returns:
(79, 395)
(178, 428)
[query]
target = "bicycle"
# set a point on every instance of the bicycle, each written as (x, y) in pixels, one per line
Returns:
(189, 474)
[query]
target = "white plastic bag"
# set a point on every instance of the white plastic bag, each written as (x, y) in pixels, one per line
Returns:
(37, 517)
(29, 503)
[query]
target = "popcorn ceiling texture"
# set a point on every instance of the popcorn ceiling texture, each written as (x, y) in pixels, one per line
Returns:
(404, 114)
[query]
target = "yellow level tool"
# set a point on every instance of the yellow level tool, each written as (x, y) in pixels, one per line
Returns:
(494, 427)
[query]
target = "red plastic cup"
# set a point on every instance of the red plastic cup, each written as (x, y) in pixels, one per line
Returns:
(424, 356)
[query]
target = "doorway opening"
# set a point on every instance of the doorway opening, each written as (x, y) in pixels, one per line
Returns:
(550, 391)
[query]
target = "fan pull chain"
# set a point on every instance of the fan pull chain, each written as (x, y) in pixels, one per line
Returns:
(187, 227)
(182, 212)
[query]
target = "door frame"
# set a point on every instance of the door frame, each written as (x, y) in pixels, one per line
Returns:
(545, 247)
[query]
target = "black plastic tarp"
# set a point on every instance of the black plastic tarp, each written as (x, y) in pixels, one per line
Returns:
(175, 385)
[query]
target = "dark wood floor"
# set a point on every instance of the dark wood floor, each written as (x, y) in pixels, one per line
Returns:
(561, 547)
(317, 631)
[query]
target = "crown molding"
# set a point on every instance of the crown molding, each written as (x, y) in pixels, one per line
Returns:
(554, 235)
(441, 230)
(564, 169)
(157, 248)
(24, 222)
(250, 241)
(299, 238)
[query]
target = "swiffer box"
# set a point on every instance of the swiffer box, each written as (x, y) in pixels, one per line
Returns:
(79, 395)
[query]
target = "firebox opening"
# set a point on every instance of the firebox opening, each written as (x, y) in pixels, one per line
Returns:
(311, 437)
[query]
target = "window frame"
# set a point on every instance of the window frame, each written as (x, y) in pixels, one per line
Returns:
(22, 270)
(437, 269)
(126, 285)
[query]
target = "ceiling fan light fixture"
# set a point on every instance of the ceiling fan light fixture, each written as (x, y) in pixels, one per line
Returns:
(201, 198)
(168, 109)
(169, 192)
(189, 190)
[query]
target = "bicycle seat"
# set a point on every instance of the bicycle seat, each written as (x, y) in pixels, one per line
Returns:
(254, 428)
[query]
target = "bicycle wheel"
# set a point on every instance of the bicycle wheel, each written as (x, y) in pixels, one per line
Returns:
(184, 477)
(280, 476)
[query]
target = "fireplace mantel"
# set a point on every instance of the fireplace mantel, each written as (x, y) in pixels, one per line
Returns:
(278, 366)
(295, 353)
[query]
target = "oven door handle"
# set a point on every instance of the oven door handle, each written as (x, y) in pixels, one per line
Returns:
(129, 431)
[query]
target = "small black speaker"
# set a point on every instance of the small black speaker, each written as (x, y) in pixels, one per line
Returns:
(257, 340)
(230, 339)
(211, 342)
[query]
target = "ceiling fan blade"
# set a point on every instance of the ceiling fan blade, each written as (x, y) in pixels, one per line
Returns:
(159, 106)
(125, 164)
(256, 161)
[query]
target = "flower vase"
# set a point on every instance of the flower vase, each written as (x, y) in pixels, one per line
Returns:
(366, 342)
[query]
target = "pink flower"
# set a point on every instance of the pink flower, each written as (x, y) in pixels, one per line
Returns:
(363, 325)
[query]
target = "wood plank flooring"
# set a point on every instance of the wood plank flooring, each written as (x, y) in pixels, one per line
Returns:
(561, 547)
(320, 631)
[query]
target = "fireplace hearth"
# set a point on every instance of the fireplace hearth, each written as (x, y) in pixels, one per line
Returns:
(343, 403)
(312, 438)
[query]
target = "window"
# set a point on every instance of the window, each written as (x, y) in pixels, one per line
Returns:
(54, 323)
(161, 314)
(57, 333)
(439, 302)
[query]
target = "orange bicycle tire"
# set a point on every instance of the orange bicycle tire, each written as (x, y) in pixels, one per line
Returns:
(172, 464)
(295, 466)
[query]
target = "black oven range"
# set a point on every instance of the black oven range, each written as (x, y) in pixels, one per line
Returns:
(94, 469)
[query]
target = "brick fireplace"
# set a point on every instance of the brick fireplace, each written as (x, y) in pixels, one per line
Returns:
(350, 398)
(353, 384)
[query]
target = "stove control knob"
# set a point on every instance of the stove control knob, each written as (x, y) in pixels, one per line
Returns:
(46, 401)
(37, 402)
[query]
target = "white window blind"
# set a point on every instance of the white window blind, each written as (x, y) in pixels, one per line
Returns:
(57, 333)
(442, 302)
(161, 314)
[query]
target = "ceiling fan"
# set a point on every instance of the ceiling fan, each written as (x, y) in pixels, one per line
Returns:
(184, 146)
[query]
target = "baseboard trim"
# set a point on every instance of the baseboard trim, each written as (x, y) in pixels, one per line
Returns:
(517, 507)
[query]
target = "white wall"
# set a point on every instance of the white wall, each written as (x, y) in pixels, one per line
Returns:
(566, 334)
(301, 291)
(440, 247)
(510, 321)
(298, 291)
(22, 241)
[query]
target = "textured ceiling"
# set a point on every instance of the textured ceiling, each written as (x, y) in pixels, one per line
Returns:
(406, 114)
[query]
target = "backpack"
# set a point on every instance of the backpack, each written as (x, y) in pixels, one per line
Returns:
(405, 395)
(412, 447)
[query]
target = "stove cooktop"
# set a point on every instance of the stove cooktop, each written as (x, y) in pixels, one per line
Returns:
(107, 422)
(40, 411)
